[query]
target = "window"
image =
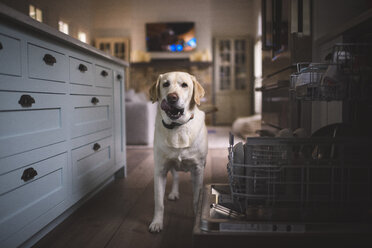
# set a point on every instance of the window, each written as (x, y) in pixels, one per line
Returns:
(63, 27)
(82, 37)
(35, 13)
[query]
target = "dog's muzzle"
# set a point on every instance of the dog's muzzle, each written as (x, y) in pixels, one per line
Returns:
(172, 111)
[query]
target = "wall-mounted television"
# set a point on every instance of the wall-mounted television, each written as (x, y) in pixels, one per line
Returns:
(170, 37)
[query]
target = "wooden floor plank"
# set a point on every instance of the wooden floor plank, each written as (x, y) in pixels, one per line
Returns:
(119, 215)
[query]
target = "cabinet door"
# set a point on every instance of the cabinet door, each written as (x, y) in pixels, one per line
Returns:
(90, 114)
(23, 199)
(232, 74)
(31, 120)
(90, 163)
(10, 55)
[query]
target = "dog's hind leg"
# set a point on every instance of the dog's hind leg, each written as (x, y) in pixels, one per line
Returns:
(174, 194)
(160, 179)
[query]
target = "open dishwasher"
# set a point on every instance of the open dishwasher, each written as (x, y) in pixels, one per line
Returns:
(306, 191)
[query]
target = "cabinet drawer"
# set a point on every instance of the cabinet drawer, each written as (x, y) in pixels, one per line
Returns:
(81, 72)
(10, 55)
(89, 162)
(44, 63)
(22, 202)
(26, 128)
(103, 77)
(90, 114)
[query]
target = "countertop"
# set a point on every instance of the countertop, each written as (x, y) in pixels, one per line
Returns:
(9, 15)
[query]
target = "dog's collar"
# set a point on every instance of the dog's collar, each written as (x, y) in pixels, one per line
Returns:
(175, 124)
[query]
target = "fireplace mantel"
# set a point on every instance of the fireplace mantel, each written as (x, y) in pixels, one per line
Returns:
(171, 63)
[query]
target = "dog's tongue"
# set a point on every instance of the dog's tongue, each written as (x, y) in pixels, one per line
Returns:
(165, 106)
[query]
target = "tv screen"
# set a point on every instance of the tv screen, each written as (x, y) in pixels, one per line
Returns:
(170, 37)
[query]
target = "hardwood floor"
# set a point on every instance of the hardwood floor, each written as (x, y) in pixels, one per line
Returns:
(119, 215)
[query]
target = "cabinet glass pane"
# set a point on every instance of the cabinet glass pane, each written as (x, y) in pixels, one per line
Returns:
(225, 45)
(119, 50)
(225, 78)
(240, 77)
(105, 46)
(240, 58)
(225, 57)
(240, 45)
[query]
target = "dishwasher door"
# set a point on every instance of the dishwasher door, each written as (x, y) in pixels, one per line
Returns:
(219, 223)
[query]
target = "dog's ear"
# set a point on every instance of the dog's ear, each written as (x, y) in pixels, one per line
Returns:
(198, 92)
(154, 90)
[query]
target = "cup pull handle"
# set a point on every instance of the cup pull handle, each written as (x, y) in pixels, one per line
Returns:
(49, 59)
(26, 101)
(95, 100)
(96, 147)
(28, 174)
(104, 73)
(83, 68)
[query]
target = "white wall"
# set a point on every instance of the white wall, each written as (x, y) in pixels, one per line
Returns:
(234, 17)
(211, 17)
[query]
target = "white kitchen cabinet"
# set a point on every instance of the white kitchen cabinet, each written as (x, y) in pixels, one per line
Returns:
(62, 132)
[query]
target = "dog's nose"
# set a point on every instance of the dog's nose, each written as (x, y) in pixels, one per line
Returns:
(172, 98)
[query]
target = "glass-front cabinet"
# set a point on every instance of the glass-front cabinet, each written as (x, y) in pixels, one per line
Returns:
(232, 75)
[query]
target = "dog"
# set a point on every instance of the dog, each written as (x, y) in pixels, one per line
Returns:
(180, 138)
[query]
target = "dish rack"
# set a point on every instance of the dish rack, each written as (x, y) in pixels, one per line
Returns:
(307, 174)
(346, 75)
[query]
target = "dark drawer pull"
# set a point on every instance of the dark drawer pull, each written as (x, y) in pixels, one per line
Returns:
(104, 73)
(95, 100)
(119, 77)
(49, 59)
(96, 147)
(83, 68)
(1, 46)
(26, 101)
(29, 174)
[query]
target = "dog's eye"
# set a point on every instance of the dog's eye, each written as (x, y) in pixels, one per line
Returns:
(184, 85)
(166, 84)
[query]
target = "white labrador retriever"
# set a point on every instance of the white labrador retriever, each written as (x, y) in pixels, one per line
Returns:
(180, 142)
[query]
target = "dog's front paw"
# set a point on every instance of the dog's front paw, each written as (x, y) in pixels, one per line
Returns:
(156, 226)
(173, 196)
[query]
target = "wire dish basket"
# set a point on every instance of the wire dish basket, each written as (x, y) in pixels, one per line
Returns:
(309, 83)
(302, 173)
(347, 74)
